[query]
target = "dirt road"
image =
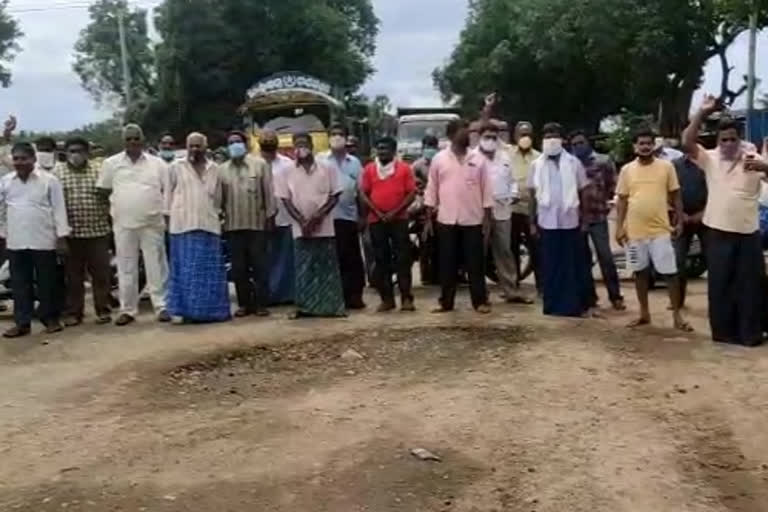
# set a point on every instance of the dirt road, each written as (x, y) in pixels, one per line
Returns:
(527, 414)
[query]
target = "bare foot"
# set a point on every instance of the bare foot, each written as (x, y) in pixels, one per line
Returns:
(682, 325)
(643, 320)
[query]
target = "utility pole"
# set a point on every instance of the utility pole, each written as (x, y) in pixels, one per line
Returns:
(124, 58)
(751, 68)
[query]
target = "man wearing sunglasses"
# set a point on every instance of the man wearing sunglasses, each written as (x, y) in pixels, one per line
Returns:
(736, 265)
(136, 183)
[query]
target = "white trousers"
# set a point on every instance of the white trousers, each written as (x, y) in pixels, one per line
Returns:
(151, 242)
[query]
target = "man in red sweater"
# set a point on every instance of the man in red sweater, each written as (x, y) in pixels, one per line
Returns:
(388, 188)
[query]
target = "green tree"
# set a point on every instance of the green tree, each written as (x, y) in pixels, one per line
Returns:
(9, 35)
(580, 60)
(97, 52)
(212, 51)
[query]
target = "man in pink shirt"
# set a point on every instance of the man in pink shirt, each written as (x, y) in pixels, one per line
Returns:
(459, 188)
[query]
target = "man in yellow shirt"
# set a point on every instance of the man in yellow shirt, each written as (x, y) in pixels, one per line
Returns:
(646, 187)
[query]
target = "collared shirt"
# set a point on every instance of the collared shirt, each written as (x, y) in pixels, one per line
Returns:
(521, 165)
(138, 190)
(557, 214)
(249, 198)
(601, 174)
(87, 210)
(503, 183)
(733, 204)
(194, 199)
(350, 170)
(33, 214)
(279, 166)
(460, 188)
(693, 185)
(308, 191)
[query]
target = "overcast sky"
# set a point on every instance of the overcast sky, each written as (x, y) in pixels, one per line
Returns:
(415, 37)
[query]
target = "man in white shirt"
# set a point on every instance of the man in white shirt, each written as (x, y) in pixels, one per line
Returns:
(505, 194)
(136, 183)
(281, 272)
(33, 223)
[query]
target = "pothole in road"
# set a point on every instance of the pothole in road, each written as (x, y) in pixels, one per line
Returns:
(267, 370)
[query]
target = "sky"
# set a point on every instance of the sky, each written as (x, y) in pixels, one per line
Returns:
(415, 37)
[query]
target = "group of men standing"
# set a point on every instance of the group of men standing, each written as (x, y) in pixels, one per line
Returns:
(293, 226)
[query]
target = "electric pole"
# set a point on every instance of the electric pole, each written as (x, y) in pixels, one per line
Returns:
(124, 59)
(751, 68)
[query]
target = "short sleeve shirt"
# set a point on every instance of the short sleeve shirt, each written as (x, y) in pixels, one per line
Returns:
(732, 204)
(138, 190)
(349, 169)
(309, 191)
(87, 210)
(648, 188)
(388, 193)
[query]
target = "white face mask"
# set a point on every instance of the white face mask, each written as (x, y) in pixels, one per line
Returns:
(489, 145)
(45, 159)
(303, 153)
(552, 147)
(337, 142)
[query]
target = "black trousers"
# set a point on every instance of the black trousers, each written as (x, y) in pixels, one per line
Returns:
(30, 268)
(248, 252)
(736, 271)
(682, 247)
(468, 239)
(350, 262)
(391, 247)
(521, 235)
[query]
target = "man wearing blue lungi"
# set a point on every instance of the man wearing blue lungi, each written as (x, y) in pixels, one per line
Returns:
(198, 289)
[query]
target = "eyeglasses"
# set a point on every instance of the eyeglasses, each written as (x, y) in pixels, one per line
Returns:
(133, 139)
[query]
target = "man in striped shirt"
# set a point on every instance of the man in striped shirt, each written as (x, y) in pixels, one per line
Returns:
(249, 212)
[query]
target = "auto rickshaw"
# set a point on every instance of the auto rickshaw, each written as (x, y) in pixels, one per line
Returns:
(289, 103)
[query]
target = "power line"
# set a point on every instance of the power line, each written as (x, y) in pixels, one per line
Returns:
(71, 5)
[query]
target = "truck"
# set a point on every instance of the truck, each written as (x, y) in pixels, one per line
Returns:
(413, 124)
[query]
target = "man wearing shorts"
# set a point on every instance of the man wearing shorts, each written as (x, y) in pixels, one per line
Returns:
(646, 187)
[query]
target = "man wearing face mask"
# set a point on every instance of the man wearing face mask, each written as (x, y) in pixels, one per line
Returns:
(505, 194)
(430, 146)
(282, 280)
(601, 173)
(388, 188)
(523, 155)
(736, 266)
(347, 220)
(167, 148)
(459, 189)
(46, 153)
(136, 183)
(249, 212)
(88, 214)
(198, 290)
(556, 183)
(310, 190)
(33, 226)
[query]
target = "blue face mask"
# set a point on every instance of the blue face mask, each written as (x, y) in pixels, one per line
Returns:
(582, 152)
(429, 153)
(237, 150)
(168, 155)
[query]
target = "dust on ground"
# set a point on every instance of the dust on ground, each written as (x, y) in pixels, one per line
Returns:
(526, 413)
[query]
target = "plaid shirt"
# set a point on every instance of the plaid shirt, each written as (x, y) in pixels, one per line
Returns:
(87, 211)
(601, 174)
